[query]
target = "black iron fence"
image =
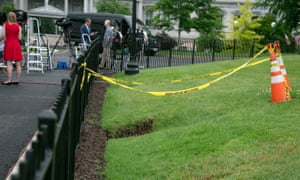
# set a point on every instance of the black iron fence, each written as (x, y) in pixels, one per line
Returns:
(52, 151)
(187, 51)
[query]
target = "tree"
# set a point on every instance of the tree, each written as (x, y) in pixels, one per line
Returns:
(7, 8)
(47, 26)
(185, 15)
(208, 19)
(286, 11)
(173, 13)
(266, 29)
(113, 6)
(244, 25)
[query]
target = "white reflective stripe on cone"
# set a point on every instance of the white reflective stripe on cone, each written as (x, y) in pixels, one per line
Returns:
(277, 79)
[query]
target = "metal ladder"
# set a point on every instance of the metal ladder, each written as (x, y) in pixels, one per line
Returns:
(38, 55)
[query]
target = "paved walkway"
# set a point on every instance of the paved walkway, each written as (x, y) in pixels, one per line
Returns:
(20, 106)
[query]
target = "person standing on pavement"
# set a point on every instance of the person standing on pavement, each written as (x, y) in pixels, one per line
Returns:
(12, 34)
(2, 65)
(1, 43)
(106, 44)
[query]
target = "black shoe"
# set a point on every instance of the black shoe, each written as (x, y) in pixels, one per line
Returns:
(6, 83)
(15, 82)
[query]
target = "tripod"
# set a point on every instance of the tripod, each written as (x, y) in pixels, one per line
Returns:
(55, 46)
(66, 34)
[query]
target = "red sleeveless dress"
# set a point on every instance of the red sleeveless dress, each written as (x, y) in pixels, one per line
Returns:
(12, 47)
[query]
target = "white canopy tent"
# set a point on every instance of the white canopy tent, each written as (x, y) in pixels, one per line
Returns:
(46, 11)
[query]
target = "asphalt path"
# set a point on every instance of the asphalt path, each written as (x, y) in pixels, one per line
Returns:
(20, 106)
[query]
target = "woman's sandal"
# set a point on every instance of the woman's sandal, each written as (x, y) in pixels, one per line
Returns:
(6, 83)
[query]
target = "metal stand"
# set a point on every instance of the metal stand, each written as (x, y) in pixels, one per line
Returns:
(132, 66)
(56, 44)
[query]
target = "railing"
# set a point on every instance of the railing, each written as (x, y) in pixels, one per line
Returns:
(189, 51)
(52, 151)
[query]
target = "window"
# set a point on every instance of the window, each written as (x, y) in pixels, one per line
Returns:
(75, 6)
(149, 16)
(6, 2)
(60, 4)
(35, 3)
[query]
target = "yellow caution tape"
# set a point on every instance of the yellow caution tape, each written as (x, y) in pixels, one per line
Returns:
(258, 62)
(83, 75)
(165, 93)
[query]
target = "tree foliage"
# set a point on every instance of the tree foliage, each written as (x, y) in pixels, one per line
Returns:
(286, 11)
(208, 18)
(7, 8)
(47, 26)
(172, 13)
(185, 15)
(275, 33)
(244, 26)
(266, 30)
(113, 6)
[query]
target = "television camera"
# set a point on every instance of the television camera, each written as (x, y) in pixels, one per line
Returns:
(2, 17)
(66, 26)
(20, 14)
(64, 23)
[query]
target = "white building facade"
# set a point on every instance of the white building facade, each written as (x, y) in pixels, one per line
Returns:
(229, 8)
(60, 8)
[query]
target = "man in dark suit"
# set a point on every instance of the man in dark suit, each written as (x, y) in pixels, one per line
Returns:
(86, 30)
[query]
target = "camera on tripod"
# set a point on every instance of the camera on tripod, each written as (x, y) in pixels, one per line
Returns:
(21, 16)
(66, 25)
(2, 17)
(63, 22)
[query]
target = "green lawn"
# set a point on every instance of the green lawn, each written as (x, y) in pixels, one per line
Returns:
(229, 130)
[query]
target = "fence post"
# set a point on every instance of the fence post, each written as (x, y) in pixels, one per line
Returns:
(72, 141)
(194, 48)
(170, 57)
(49, 118)
(122, 57)
(233, 51)
(29, 158)
(42, 139)
(213, 50)
(23, 168)
(47, 121)
(147, 60)
(252, 48)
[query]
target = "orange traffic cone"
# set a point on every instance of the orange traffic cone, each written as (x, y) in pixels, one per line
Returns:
(281, 63)
(278, 88)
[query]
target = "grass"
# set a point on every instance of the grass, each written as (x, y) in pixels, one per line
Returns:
(229, 130)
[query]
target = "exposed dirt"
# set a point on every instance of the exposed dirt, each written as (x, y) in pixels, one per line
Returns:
(90, 153)
(136, 130)
(89, 160)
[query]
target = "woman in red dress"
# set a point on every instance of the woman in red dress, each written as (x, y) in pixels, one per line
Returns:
(12, 34)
